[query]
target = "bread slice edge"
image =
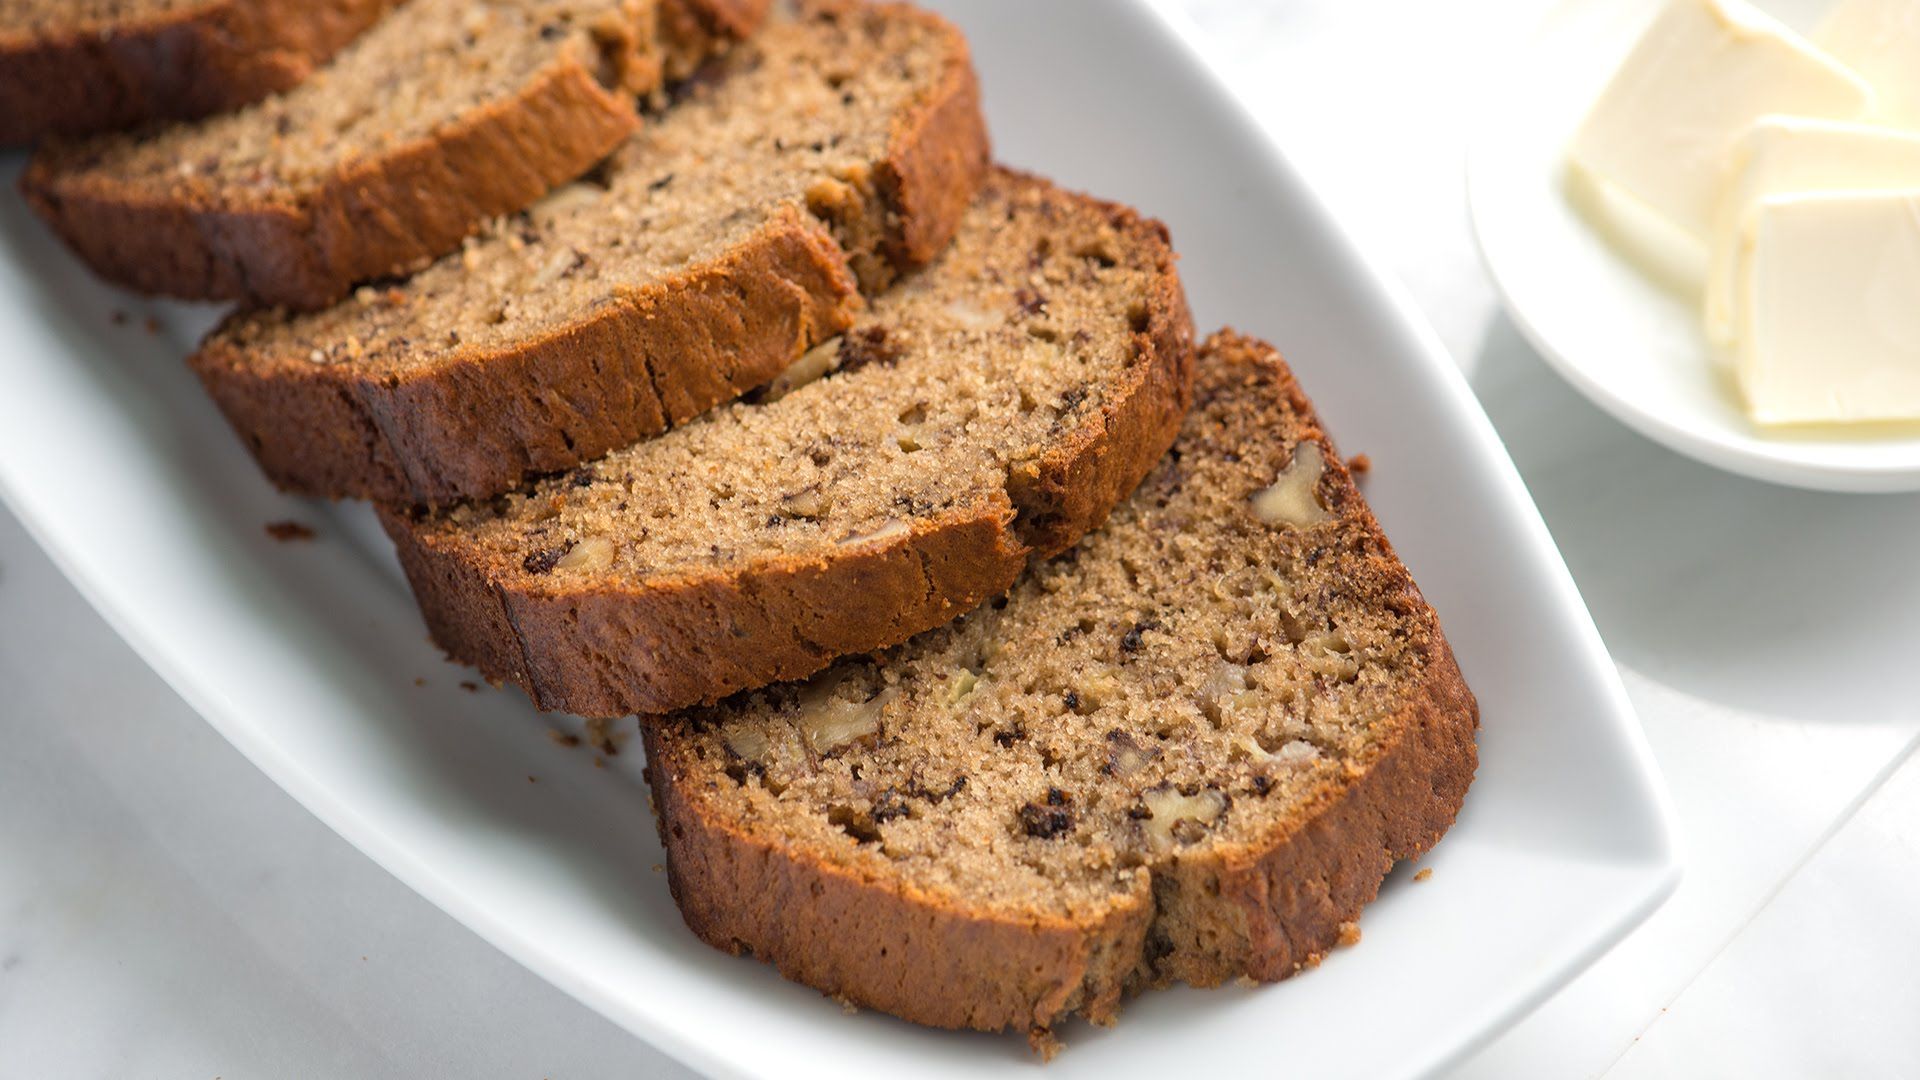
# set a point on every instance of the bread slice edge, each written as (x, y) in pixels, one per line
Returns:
(1264, 910)
(378, 216)
(167, 65)
(480, 423)
(786, 617)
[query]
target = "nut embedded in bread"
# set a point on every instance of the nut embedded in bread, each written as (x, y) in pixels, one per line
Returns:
(442, 115)
(1189, 749)
(832, 150)
(986, 410)
(76, 67)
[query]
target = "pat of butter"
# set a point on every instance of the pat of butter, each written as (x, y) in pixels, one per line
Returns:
(1784, 155)
(1700, 76)
(1830, 323)
(1880, 41)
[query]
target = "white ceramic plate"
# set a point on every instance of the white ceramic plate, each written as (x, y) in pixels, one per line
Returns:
(1631, 344)
(306, 655)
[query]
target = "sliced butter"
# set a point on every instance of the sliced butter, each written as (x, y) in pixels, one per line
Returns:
(1880, 41)
(1791, 156)
(1699, 77)
(1829, 321)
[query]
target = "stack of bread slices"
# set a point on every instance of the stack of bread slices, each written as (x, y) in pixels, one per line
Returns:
(999, 650)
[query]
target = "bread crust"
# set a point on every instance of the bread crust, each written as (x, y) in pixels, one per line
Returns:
(380, 215)
(883, 944)
(938, 156)
(613, 650)
(1071, 489)
(1264, 909)
(480, 422)
(169, 65)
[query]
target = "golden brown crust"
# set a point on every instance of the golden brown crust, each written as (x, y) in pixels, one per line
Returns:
(481, 422)
(1295, 897)
(1264, 910)
(1071, 489)
(614, 650)
(1281, 907)
(380, 216)
(691, 31)
(937, 159)
(170, 65)
(881, 943)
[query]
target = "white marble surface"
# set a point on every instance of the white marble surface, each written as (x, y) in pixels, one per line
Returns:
(166, 912)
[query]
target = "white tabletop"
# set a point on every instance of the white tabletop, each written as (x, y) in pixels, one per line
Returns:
(166, 911)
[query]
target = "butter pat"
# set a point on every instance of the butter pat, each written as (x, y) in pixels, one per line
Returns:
(1790, 156)
(1880, 41)
(1830, 316)
(1702, 74)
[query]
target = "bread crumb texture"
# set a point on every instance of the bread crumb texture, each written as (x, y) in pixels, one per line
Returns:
(989, 408)
(439, 116)
(735, 231)
(1189, 749)
(76, 67)
(798, 108)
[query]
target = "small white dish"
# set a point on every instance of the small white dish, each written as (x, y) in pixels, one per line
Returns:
(1632, 344)
(311, 659)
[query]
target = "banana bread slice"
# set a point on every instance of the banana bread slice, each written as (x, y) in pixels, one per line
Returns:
(987, 410)
(717, 245)
(443, 114)
(75, 67)
(1188, 750)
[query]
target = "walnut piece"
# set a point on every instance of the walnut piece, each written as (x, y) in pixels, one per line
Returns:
(961, 685)
(593, 553)
(1092, 689)
(811, 503)
(1291, 501)
(1176, 819)
(1331, 655)
(829, 722)
(558, 265)
(1293, 752)
(813, 364)
(566, 198)
(892, 530)
(968, 315)
(749, 744)
(1222, 690)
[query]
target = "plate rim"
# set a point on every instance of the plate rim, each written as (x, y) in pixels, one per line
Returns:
(1769, 461)
(1668, 865)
